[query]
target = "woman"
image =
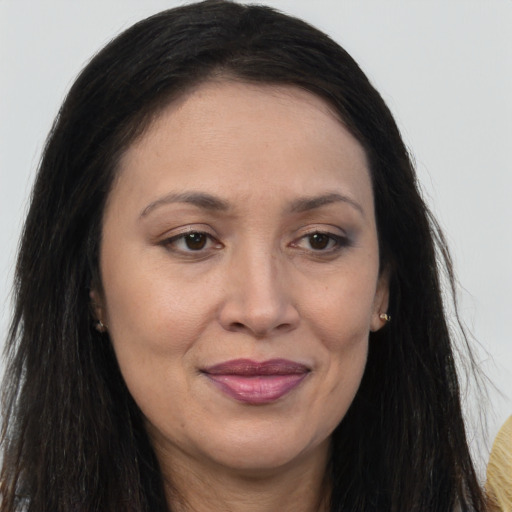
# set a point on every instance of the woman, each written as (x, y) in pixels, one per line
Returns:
(230, 220)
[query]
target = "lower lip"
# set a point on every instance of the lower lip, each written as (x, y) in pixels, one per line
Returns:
(259, 389)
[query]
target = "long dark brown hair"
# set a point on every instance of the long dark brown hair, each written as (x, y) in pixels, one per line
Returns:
(72, 437)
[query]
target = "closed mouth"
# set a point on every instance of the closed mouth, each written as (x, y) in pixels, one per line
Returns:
(255, 382)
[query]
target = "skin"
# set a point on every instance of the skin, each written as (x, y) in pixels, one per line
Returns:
(260, 287)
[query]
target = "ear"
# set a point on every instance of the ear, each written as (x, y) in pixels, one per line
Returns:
(98, 310)
(381, 302)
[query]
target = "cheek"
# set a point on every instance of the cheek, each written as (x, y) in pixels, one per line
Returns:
(154, 321)
(340, 310)
(344, 344)
(151, 307)
(346, 362)
(153, 324)
(339, 314)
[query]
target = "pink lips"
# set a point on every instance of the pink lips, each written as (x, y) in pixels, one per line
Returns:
(257, 383)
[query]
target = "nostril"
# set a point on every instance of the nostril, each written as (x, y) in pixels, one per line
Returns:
(258, 318)
(259, 332)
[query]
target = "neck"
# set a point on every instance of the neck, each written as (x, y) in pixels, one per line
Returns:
(301, 487)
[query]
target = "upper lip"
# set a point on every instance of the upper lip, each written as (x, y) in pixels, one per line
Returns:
(249, 368)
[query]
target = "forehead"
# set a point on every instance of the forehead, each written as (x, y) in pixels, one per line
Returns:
(228, 135)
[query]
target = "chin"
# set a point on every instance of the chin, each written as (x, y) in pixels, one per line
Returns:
(265, 456)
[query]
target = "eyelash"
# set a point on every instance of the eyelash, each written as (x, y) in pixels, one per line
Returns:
(333, 243)
(172, 242)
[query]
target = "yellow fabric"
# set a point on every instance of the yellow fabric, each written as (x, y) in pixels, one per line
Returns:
(499, 471)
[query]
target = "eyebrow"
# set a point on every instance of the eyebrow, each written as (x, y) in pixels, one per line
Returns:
(209, 202)
(199, 199)
(304, 204)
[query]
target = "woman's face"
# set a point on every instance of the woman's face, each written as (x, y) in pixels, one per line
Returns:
(240, 274)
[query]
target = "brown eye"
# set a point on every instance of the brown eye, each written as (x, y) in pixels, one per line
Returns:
(322, 243)
(195, 241)
(319, 241)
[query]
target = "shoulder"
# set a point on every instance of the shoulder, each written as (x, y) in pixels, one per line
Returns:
(499, 470)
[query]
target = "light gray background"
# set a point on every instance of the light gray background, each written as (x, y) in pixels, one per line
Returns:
(443, 66)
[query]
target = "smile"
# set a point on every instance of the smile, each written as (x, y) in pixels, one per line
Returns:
(256, 382)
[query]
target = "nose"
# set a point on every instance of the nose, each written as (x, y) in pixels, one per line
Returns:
(258, 297)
